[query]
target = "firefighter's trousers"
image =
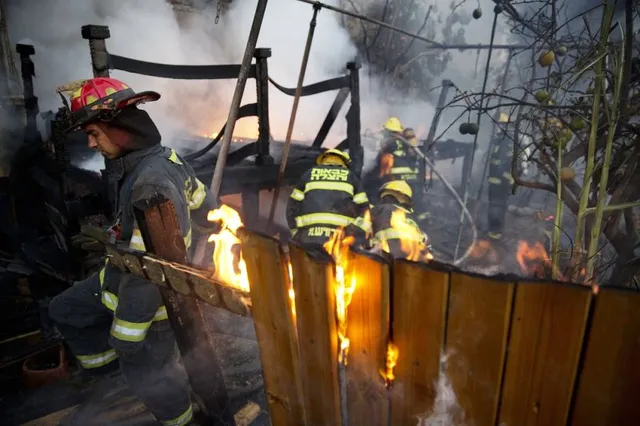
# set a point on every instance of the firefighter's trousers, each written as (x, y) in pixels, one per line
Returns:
(153, 372)
(498, 205)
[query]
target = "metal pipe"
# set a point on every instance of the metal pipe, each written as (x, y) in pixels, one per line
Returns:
(216, 180)
(294, 111)
(475, 138)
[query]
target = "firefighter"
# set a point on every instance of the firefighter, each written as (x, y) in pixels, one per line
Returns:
(500, 180)
(397, 160)
(327, 197)
(393, 225)
(112, 319)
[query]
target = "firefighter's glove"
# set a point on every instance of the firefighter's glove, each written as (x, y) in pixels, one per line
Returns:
(90, 238)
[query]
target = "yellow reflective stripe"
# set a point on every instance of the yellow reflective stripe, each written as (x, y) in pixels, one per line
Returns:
(101, 276)
(394, 234)
(360, 198)
(297, 195)
(198, 196)
(362, 224)
(507, 176)
(110, 300)
(129, 331)
(182, 419)
(495, 180)
(187, 239)
(322, 219)
(496, 162)
(329, 186)
(401, 170)
(97, 360)
(137, 243)
(174, 157)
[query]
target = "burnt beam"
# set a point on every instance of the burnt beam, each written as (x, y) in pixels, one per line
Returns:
(162, 236)
(353, 119)
(97, 35)
(28, 71)
(338, 102)
(262, 86)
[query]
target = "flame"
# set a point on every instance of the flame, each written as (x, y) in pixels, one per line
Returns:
(483, 249)
(292, 293)
(532, 258)
(412, 243)
(392, 358)
(345, 284)
(386, 163)
(242, 130)
(230, 267)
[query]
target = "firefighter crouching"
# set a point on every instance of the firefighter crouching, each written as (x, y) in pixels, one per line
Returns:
(500, 180)
(327, 197)
(393, 225)
(112, 317)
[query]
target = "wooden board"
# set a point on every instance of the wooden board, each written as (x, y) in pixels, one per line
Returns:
(313, 282)
(275, 327)
(547, 332)
(609, 385)
(368, 330)
(52, 419)
(476, 340)
(419, 307)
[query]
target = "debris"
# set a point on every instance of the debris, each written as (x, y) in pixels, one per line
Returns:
(247, 414)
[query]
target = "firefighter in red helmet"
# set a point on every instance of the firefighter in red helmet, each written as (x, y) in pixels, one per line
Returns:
(113, 319)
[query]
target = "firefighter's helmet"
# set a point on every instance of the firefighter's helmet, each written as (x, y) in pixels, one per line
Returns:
(398, 189)
(331, 155)
(100, 98)
(393, 125)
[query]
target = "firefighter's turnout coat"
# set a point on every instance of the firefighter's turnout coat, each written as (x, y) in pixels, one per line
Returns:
(326, 198)
(385, 235)
(404, 161)
(112, 315)
(500, 182)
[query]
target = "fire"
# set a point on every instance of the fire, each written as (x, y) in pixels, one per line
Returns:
(242, 130)
(386, 163)
(532, 258)
(392, 358)
(412, 242)
(482, 249)
(292, 293)
(345, 284)
(230, 267)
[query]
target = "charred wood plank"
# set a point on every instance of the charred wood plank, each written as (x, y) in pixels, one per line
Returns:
(162, 235)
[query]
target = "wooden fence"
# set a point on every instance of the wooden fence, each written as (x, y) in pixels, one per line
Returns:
(513, 353)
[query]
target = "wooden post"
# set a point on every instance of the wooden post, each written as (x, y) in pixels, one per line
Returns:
(419, 318)
(476, 342)
(368, 330)
(313, 282)
(607, 391)
(545, 342)
(275, 327)
(162, 236)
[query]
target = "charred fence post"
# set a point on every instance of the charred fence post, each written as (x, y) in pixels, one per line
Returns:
(97, 34)
(426, 148)
(162, 236)
(353, 118)
(28, 71)
(262, 85)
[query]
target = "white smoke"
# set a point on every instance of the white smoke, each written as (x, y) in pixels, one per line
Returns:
(446, 410)
(151, 31)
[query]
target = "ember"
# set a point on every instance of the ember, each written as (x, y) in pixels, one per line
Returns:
(292, 293)
(338, 247)
(482, 249)
(533, 259)
(391, 360)
(230, 267)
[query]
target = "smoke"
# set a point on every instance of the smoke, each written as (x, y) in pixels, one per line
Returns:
(446, 410)
(152, 31)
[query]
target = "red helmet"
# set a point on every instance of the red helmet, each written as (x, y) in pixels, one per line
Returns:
(101, 98)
